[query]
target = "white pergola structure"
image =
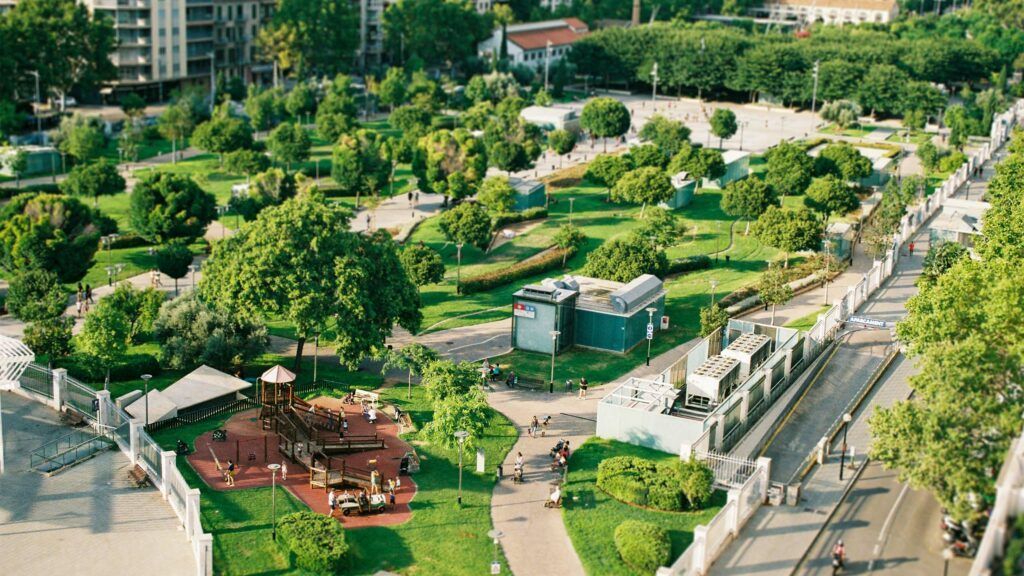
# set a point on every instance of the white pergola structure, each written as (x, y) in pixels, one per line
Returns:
(14, 359)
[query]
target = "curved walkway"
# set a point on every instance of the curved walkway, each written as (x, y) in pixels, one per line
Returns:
(536, 541)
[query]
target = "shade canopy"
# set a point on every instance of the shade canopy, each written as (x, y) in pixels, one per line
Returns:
(278, 375)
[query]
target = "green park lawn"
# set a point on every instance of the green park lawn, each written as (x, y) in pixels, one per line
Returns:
(851, 131)
(591, 515)
(807, 322)
(441, 538)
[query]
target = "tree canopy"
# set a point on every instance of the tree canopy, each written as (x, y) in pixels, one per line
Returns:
(788, 230)
(830, 195)
(648, 185)
(748, 198)
(165, 205)
(50, 232)
(605, 117)
(622, 260)
(789, 169)
(192, 332)
(422, 264)
(468, 222)
(452, 163)
(93, 180)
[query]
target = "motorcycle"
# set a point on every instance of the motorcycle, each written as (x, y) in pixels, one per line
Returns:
(558, 448)
(964, 549)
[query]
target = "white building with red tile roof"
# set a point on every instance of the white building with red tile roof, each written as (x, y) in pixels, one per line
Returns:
(834, 11)
(534, 42)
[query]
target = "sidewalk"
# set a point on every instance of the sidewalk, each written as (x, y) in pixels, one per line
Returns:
(396, 212)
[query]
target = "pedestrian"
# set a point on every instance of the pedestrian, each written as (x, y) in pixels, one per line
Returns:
(284, 471)
(391, 498)
(409, 196)
(332, 502)
(78, 304)
(416, 197)
(544, 426)
(85, 306)
(911, 248)
(367, 220)
(79, 287)
(533, 427)
(583, 388)
(230, 476)
(519, 460)
(374, 482)
(88, 294)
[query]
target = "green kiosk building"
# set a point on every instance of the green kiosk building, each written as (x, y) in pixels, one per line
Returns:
(587, 312)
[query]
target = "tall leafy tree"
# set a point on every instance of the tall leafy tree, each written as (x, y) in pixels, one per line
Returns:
(468, 222)
(447, 153)
(423, 264)
(359, 165)
(105, 335)
(412, 120)
(413, 358)
(164, 206)
(497, 194)
(222, 134)
(829, 195)
(35, 295)
(668, 135)
(607, 169)
(174, 260)
(790, 169)
(392, 89)
(353, 280)
(698, 162)
(50, 232)
(93, 180)
(648, 185)
(748, 199)
(605, 117)
(723, 124)
(176, 123)
(622, 260)
(289, 143)
(440, 34)
(313, 37)
(192, 332)
(788, 230)
(773, 289)
(843, 161)
(81, 137)
(337, 111)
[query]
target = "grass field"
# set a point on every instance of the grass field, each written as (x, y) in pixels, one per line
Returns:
(441, 538)
(805, 323)
(591, 515)
(852, 131)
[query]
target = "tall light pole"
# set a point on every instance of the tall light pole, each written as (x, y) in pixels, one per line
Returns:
(650, 331)
(458, 268)
(714, 284)
(947, 555)
(39, 103)
(826, 270)
(145, 388)
(273, 498)
(193, 268)
(814, 93)
(847, 418)
(495, 535)
(554, 348)
(654, 83)
(547, 63)
(221, 211)
(461, 436)
(571, 200)
(743, 124)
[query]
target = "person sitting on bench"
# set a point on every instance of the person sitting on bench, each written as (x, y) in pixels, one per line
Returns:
(555, 499)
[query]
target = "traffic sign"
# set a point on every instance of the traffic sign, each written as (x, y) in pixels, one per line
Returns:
(495, 567)
(871, 322)
(650, 331)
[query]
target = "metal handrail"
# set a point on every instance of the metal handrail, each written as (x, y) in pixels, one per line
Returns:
(75, 448)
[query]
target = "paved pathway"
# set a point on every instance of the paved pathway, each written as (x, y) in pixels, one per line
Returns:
(396, 212)
(86, 520)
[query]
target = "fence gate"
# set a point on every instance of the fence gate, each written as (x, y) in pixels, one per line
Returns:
(730, 471)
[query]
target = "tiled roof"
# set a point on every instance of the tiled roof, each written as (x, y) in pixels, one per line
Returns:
(571, 30)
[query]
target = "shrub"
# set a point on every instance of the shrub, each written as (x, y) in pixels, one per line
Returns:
(641, 482)
(506, 218)
(642, 545)
(550, 260)
(129, 240)
(92, 369)
(316, 542)
(697, 481)
(689, 264)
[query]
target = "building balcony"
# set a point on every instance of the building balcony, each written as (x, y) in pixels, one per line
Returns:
(135, 23)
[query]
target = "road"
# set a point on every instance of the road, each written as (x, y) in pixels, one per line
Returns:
(887, 528)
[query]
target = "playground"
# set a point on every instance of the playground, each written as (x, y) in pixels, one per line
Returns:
(318, 449)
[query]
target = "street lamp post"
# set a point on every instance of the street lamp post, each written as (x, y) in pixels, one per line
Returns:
(554, 348)
(947, 555)
(826, 270)
(458, 268)
(461, 436)
(145, 388)
(714, 285)
(650, 331)
(847, 418)
(571, 200)
(547, 63)
(110, 275)
(39, 103)
(193, 268)
(495, 535)
(273, 498)
(814, 93)
(654, 84)
(742, 126)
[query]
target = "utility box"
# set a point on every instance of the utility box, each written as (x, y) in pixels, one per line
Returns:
(750, 350)
(712, 381)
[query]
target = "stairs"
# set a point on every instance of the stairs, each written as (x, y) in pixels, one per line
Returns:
(68, 450)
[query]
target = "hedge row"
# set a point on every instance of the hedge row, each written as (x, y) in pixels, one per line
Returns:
(91, 369)
(315, 542)
(643, 546)
(551, 260)
(663, 486)
(689, 264)
(506, 218)
(129, 240)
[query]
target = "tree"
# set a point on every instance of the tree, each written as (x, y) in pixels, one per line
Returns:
(191, 332)
(248, 162)
(748, 199)
(957, 121)
(36, 295)
(568, 238)
(445, 153)
(493, 87)
(940, 257)
(336, 114)
(607, 170)
(844, 113)
(422, 264)
(437, 34)
(643, 186)
(668, 135)
(661, 228)
(312, 38)
(469, 223)
(773, 289)
(222, 134)
(49, 232)
(82, 138)
(268, 188)
(165, 205)
(133, 106)
(358, 164)
(16, 160)
(497, 194)
(561, 141)
(788, 230)
(508, 156)
(174, 260)
(698, 162)
(138, 307)
(789, 169)
(411, 120)
(444, 379)
(467, 412)
(391, 90)
(830, 195)
(92, 180)
(622, 260)
(605, 117)
(289, 143)
(477, 116)
(354, 280)
(301, 100)
(723, 124)
(843, 161)
(414, 358)
(882, 88)
(647, 155)
(929, 155)
(712, 318)
(265, 108)
(105, 335)
(50, 337)
(176, 123)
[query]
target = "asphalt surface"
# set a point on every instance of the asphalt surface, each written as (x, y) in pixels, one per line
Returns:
(887, 528)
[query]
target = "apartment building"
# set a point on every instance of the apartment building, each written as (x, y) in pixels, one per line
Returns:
(167, 44)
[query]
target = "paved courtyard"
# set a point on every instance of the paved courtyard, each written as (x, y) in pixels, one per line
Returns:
(87, 520)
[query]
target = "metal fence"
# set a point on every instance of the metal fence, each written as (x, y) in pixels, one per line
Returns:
(729, 471)
(80, 398)
(37, 379)
(149, 453)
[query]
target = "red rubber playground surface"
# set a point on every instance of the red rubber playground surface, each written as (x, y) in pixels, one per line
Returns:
(252, 449)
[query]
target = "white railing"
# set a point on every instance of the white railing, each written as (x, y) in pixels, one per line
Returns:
(1009, 504)
(729, 471)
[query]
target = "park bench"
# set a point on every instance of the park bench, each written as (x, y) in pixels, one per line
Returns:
(138, 476)
(403, 419)
(531, 384)
(371, 398)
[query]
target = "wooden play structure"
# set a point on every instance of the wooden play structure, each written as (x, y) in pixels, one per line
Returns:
(312, 436)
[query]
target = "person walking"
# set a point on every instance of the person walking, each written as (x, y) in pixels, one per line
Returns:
(284, 471)
(544, 426)
(230, 476)
(583, 388)
(332, 502)
(88, 294)
(911, 248)
(533, 427)
(78, 304)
